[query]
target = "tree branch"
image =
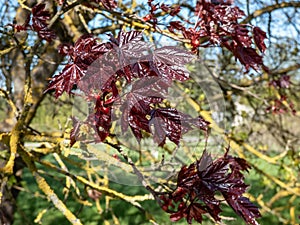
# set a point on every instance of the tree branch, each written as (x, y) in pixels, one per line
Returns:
(269, 9)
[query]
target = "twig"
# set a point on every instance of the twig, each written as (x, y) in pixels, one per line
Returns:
(135, 170)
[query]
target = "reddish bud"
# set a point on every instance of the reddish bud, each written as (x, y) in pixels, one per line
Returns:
(147, 18)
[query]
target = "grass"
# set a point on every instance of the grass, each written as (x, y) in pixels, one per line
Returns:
(29, 204)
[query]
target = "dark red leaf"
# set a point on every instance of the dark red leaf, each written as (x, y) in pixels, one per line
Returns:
(93, 57)
(241, 36)
(171, 55)
(199, 183)
(65, 49)
(175, 10)
(143, 69)
(177, 25)
(138, 102)
(169, 123)
(46, 34)
(23, 27)
(195, 211)
(86, 50)
(136, 121)
(170, 62)
(248, 57)
(171, 72)
(166, 202)
(100, 75)
(259, 37)
(40, 15)
(146, 91)
(153, 8)
(39, 22)
(165, 7)
(218, 25)
(127, 37)
(100, 120)
(187, 177)
(65, 81)
(244, 208)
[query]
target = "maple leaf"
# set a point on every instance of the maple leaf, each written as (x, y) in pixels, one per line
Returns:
(169, 123)
(114, 60)
(101, 119)
(23, 27)
(135, 120)
(202, 180)
(195, 211)
(241, 36)
(39, 16)
(143, 69)
(248, 57)
(65, 80)
(46, 34)
(129, 48)
(65, 49)
(101, 74)
(244, 208)
(137, 104)
(124, 38)
(259, 37)
(39, 22)
(86, 50)
(84, 55)
(169, 62)
(176, 25)
(218, 21)
(171, 55)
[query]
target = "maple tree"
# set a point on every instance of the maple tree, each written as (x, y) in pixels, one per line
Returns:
(127, 78)
(95, 68)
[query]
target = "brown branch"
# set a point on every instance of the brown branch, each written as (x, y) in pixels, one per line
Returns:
(269, 9)
(63, 10)
(287, 69)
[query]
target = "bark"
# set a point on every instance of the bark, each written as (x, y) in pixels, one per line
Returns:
(67, 29)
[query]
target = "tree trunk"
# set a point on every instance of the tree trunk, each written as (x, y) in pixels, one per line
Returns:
(15, 75)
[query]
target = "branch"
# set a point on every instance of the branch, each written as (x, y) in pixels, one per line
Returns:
(287, 69)
(136, 21)
(62, 11)
(44, 186)
(269, 9)
(135, 170)
(107, 191)
(5, 95)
